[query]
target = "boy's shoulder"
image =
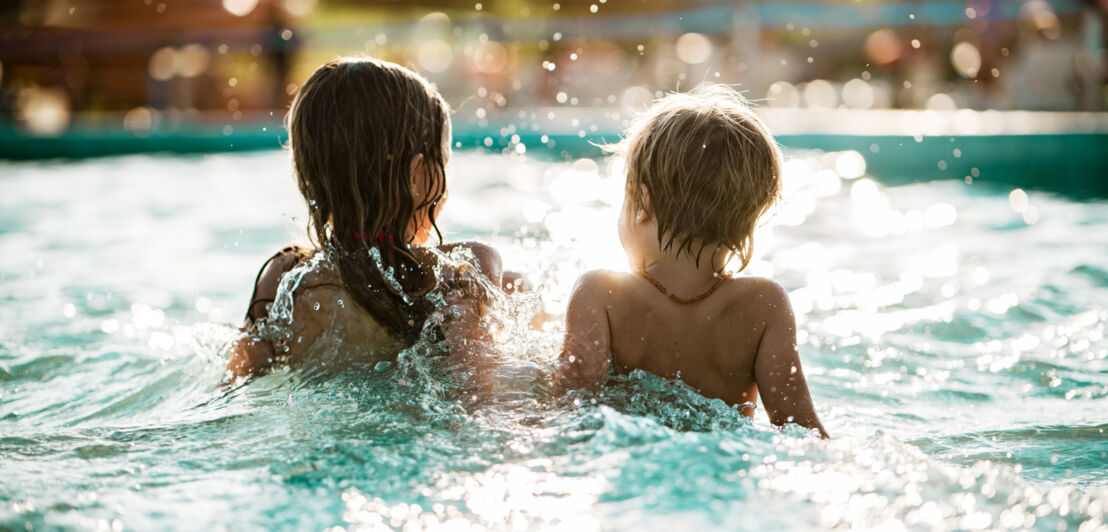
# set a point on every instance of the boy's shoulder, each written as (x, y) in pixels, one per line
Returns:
(598, 287)
(766, 298)
(759, 287)
(766, 295)
(600, 280)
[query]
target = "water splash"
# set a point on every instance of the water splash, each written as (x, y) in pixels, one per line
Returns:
(142, 434)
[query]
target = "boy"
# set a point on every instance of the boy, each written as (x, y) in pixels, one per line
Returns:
(701, 170)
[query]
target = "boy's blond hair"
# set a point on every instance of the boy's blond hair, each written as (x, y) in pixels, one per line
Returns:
(710, 167)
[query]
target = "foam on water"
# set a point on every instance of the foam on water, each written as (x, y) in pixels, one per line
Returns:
(954, 346)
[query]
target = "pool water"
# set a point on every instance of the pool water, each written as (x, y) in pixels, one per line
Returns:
(953, 335)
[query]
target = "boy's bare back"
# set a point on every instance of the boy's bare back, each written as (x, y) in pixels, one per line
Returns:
(725, 346)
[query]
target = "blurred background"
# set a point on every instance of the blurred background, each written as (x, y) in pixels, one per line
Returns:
(942, 237)
(1022, 84)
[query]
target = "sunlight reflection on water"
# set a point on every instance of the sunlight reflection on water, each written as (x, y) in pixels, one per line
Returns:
(954, 346)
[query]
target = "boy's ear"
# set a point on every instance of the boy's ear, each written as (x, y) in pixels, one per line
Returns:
(417, 175)
(647, 210)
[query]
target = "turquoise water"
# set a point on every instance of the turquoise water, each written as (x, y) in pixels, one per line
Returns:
(953, 334)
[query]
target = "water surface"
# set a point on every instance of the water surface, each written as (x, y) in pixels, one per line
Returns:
(953, 336)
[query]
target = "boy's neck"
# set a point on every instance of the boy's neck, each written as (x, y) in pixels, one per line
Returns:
(682, 273)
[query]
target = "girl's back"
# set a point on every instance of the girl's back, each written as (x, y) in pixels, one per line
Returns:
(370, 141)
(305, 314)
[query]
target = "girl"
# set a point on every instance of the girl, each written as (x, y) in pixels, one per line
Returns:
(370, 140)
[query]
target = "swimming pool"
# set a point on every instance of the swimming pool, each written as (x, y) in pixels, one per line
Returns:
(953, 336)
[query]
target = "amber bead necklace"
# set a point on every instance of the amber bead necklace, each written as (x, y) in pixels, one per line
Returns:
(679, 300)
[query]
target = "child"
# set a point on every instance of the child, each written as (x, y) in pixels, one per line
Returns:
(701, 170)
(370, 141)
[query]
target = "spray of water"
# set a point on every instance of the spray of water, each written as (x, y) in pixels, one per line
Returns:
(515, 359)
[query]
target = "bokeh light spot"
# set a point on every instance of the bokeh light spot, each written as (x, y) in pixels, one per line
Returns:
(966, 59)
(44, 111)
(820, 94)
(850, 165)
(435, 55)
(857, 94)
(883, 47)
(491, 57)
(240, 8)
(783, 94)
(693, 48)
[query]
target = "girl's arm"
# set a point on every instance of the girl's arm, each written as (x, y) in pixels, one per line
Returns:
(513, 282)
(469, 343)
(777, 370)
(586, 352)
(249, 354)
(488, 261)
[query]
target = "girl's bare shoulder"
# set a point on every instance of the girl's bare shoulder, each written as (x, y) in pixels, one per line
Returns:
(269, 278)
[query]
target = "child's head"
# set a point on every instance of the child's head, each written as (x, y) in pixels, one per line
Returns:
(370, 140)
(704, 168)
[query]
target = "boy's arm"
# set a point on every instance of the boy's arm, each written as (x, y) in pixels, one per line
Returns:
(586, 353)
(777, 370)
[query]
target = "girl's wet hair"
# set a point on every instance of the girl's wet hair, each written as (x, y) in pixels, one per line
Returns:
(354, 129)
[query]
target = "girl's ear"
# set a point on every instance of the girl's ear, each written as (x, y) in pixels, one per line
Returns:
(418, 177)
(646, 213)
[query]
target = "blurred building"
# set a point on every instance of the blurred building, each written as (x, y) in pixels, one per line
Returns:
(141, 64)
(147, 60)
